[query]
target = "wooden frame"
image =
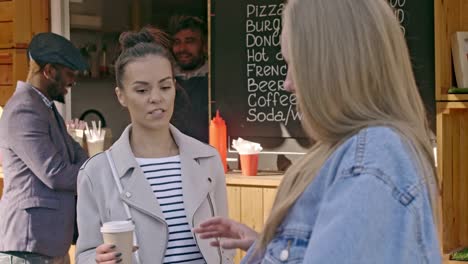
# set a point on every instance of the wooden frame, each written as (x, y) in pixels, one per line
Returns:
(452, 131)
(452, 128)
(460, 57)
(449, 18)
(208, 24)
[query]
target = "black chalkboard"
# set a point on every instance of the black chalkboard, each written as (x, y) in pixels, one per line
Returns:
(417, 20)
(248, 70)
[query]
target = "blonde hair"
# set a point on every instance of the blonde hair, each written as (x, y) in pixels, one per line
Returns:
(353, 56)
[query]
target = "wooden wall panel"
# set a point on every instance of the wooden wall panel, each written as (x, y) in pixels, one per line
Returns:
(13, 67)
(269, 195)
(452, 126)
(6, 74)
(5, 93)
(40, 18)
(22, 24)
(447, 201)
(452, 123)
(462, 189)
(455, 181)
(20, 65)
(250, 200)
(6, 34)
(234, 197)
(252, 207)
(6, 11)
(443, 63)
(20, 20)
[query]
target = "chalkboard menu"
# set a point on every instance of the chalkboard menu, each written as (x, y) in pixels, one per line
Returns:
(249, 71)
(417, 22)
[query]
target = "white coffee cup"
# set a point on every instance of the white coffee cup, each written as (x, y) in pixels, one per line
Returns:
(120, 234)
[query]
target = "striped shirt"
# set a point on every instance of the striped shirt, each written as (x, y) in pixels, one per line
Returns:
(164, 176)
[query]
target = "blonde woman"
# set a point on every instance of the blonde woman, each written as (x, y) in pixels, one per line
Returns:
(366, 192)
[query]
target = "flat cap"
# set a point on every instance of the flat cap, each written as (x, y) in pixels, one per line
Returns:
(49, 47)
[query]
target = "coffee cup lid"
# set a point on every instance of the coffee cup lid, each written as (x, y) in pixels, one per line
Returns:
(117, 227)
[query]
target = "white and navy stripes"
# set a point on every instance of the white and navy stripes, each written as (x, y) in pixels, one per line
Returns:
(164, 176)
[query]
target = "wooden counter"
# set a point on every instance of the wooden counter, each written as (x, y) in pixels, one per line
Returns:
(263, 179)
(250, 198)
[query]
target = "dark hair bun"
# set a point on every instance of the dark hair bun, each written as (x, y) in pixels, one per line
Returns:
(130, 39)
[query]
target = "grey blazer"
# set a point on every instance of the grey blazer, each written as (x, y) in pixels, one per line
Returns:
(40, 164)
(204, 195)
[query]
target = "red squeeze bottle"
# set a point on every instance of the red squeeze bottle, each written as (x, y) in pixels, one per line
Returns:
(218, 137)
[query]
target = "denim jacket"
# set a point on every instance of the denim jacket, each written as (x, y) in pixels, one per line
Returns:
(368, 204)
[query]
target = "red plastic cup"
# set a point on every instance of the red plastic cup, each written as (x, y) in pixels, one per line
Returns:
(249, 164)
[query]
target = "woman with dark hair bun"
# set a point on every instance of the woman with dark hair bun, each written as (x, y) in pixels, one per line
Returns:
(170, 182)
(181, 118)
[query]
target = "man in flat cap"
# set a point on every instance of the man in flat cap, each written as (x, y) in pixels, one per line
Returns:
(40, 160)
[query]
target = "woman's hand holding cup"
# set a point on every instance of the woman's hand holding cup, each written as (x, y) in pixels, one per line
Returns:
(106, 253)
